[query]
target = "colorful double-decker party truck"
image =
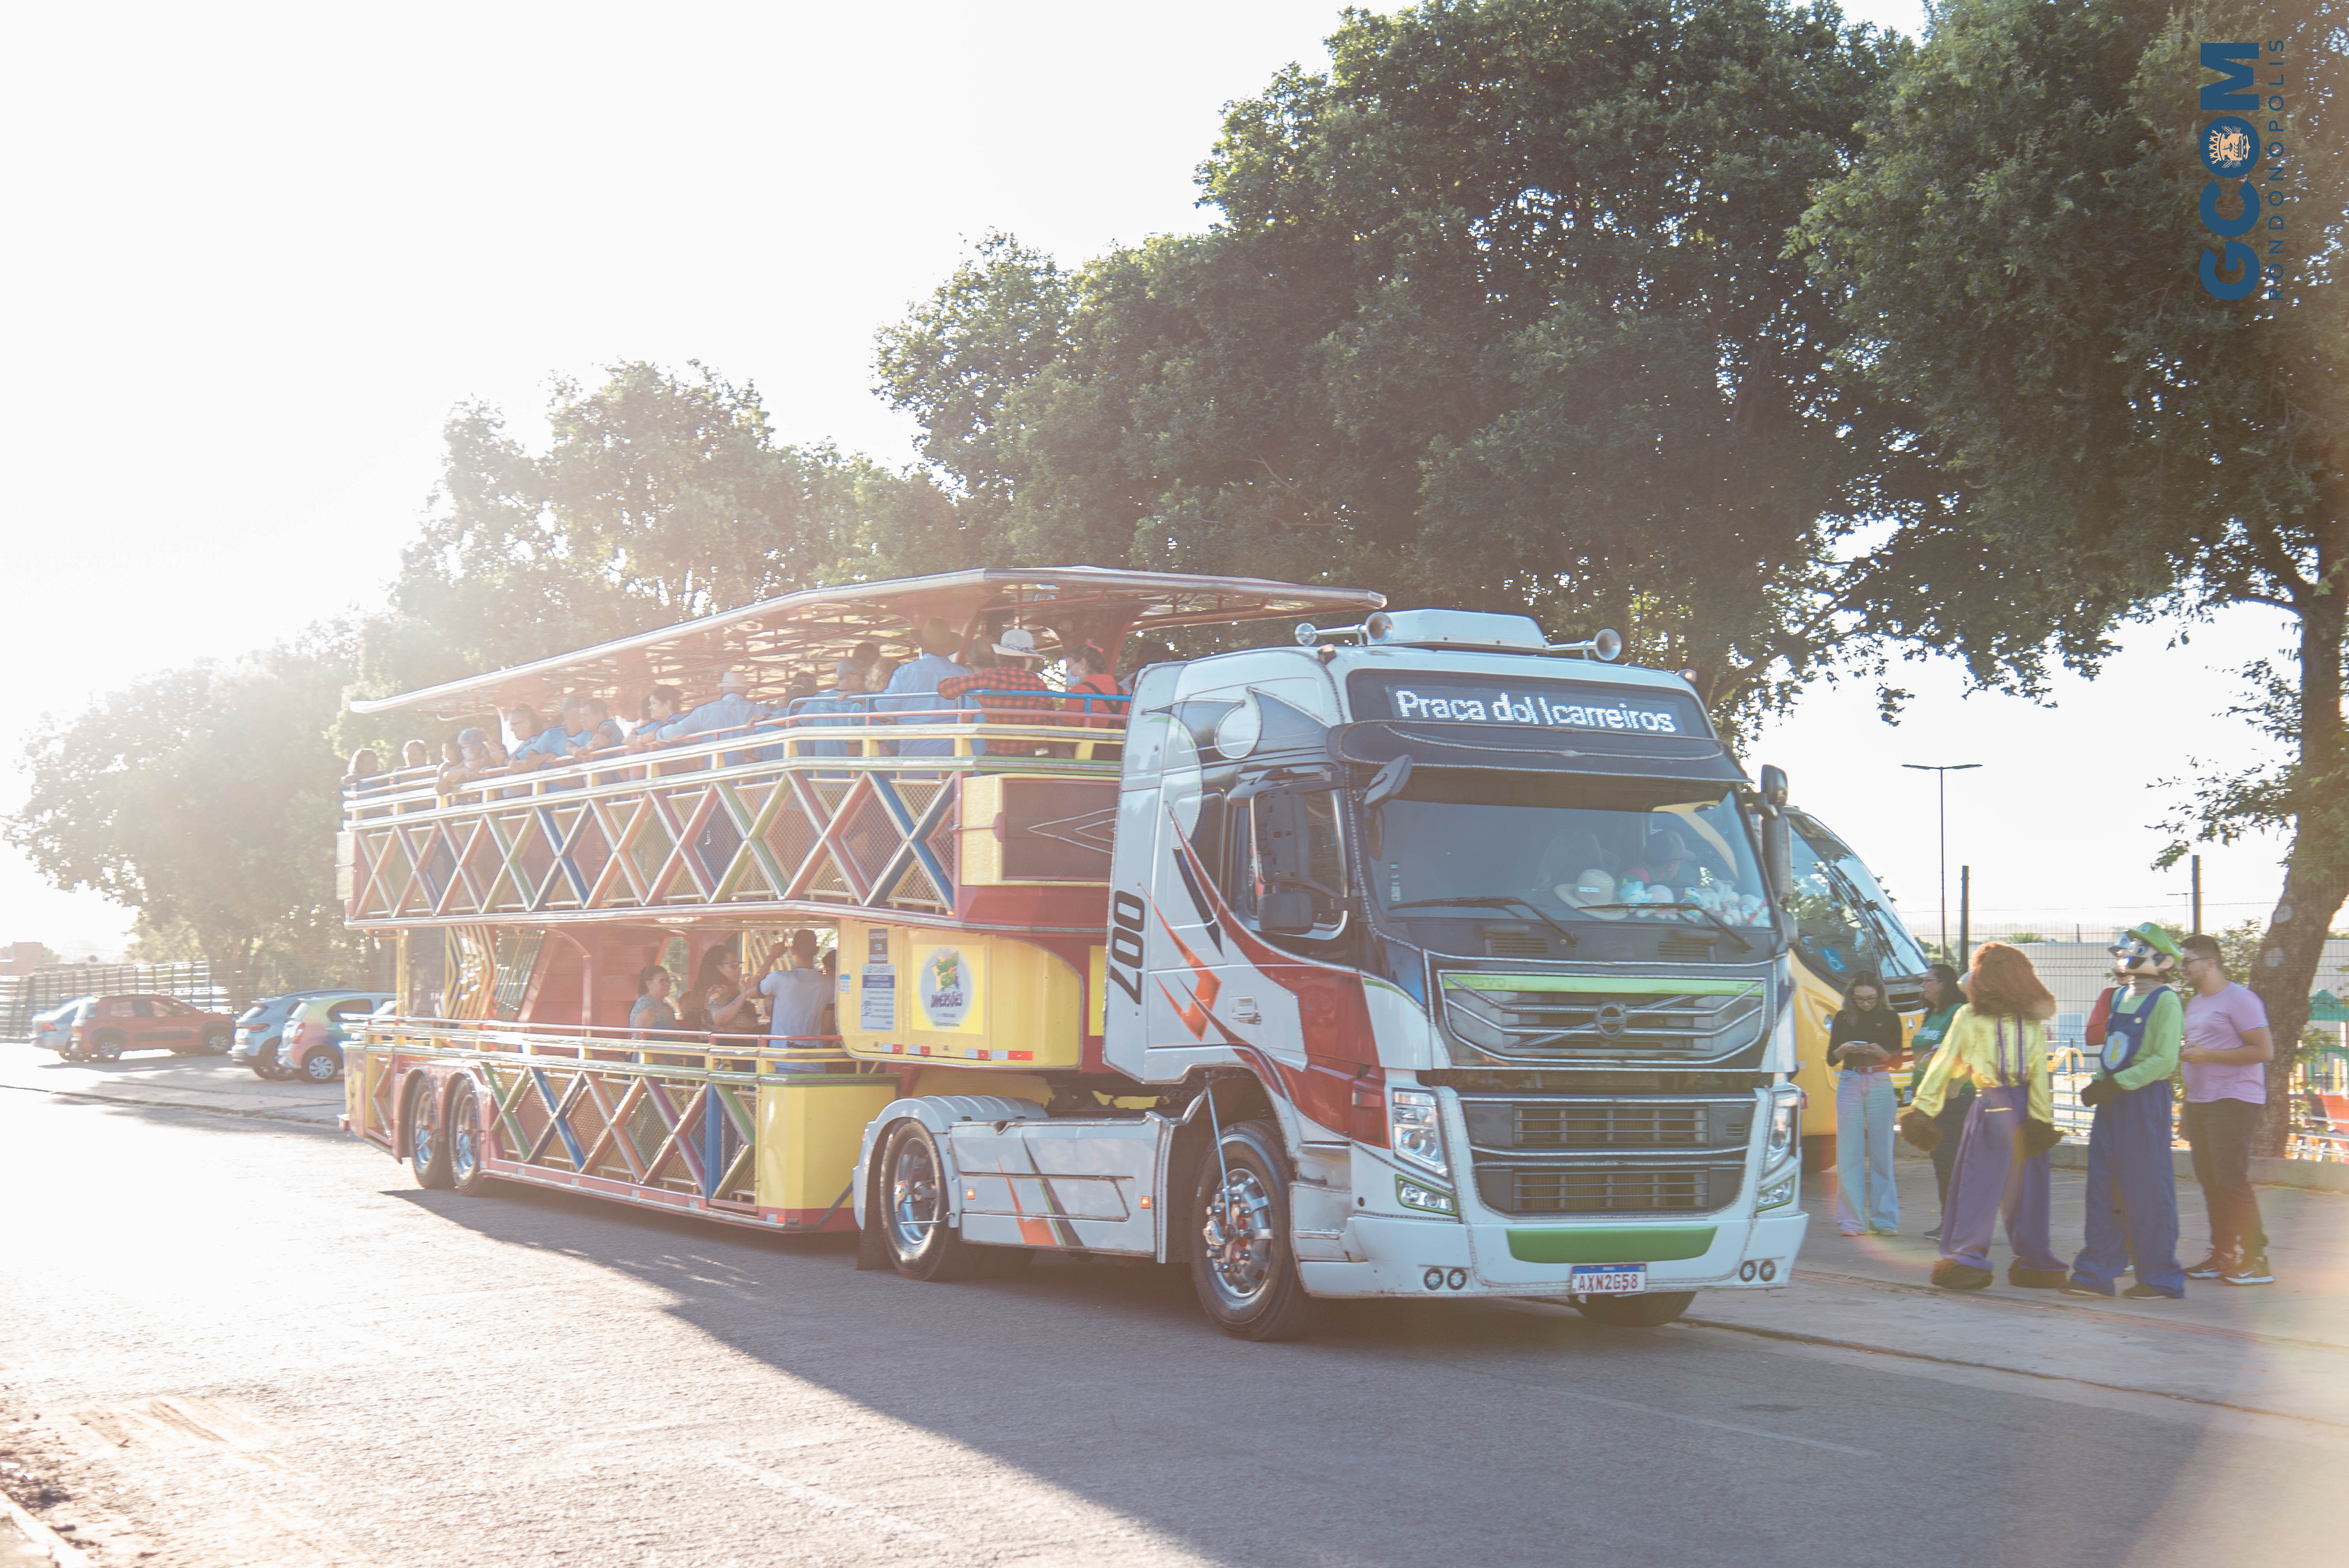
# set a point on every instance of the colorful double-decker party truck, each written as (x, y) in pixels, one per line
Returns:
(1407, 956)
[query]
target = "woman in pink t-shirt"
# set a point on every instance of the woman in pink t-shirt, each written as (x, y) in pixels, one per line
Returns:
(2224, 1063)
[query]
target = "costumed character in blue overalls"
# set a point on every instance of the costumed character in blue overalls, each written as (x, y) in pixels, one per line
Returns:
(2132, 1184)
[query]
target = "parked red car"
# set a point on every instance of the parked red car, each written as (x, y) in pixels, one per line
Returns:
(113, 1025)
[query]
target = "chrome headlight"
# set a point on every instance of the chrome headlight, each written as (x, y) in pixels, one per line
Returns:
(1413, 1130)
(1428, 1200)
(1783, 1130)
(1779, 1193)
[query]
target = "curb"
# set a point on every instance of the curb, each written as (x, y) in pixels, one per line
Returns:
(2267, 1171)
(278, 1116)
(1793, 1337)
(61, 1553)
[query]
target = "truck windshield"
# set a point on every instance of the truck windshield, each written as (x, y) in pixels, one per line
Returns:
(1675, 862)
(1843, 923)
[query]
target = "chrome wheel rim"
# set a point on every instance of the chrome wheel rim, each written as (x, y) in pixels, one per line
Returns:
(320, 1068)
(913, 1195)
(1239, 1238)
(464, 1138)
(419, 1140)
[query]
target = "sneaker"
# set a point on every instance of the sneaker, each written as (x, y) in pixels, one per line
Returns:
(2147, 1293)
(2251, 1270)
(2210, 1267)
(1934, 1234)
(2077, 1288)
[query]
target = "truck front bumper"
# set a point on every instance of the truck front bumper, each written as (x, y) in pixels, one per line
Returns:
(1395, 1256)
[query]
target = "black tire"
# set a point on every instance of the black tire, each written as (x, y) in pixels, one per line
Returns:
(467, 1135)
(1248, 1285)
(427, 1151)
(107, 1048)
(1818, 1153)
(217, 1042)
(1653, 1310)
(321, 1066)
(914, 1203)
(261, 1072)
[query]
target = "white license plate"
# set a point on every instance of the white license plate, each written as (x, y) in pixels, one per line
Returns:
(1609, 1279)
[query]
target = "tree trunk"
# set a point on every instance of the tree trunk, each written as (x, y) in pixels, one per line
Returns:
(2316, 871)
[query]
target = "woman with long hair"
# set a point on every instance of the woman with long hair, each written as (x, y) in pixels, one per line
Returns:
(1997, 1044)
(1864, 1042)
(1944, 997)
(729, 1003)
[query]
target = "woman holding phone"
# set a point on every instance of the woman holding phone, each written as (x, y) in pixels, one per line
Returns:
(1865, 1043)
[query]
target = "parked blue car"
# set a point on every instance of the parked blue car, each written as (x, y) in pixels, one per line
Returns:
(260, 1027)
(53, 1030)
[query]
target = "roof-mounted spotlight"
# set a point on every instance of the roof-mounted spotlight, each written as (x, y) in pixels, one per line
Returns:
(1607, 646)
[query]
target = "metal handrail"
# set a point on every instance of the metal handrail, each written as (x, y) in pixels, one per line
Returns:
(865, 739)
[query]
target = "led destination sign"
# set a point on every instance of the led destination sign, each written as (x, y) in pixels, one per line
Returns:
(1537, 705)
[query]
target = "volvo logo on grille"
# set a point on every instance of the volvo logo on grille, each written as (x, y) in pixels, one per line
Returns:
(1612, 1019)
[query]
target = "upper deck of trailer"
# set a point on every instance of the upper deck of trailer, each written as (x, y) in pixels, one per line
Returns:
(808, 809)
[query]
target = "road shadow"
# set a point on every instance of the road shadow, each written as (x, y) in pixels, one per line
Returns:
(1401, 1433)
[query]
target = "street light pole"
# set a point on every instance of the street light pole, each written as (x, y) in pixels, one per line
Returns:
(1941, 772)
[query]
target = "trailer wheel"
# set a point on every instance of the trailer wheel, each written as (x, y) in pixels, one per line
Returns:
(1241, 1263)
(427, 1151)
(1650, 1311)
(468, 1139)
(913, 1216)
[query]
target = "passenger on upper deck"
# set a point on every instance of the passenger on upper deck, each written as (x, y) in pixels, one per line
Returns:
(590, 729)
(535, 742)
(1010, 693)
(657, 717)
(415, 754)
(1092, 689)
(913, 686)
(837, 705)
(364, 765)
(472, 760)
(730, 709)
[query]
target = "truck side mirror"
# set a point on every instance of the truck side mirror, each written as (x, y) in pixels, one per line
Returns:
(1778, 855)
(1281, 836)
(1773, 785)
(1287, 911)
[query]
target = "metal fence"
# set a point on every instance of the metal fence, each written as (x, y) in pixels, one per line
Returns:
(22, 996)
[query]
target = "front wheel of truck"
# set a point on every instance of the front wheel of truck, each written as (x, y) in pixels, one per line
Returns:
(1241, 1264)
(1650, 1310)
(914, 1207)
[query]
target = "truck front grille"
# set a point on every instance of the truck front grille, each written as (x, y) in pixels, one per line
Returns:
(1571, 1190)
(1542, 1019)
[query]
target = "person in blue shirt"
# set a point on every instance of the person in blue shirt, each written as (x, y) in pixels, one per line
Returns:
(535, 742)
(589, 726)
(913, 686)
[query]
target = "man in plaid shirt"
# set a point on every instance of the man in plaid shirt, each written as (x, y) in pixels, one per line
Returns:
(1010, 693)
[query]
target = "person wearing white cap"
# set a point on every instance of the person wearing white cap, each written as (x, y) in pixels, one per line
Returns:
(1010, 693)
(731, 708)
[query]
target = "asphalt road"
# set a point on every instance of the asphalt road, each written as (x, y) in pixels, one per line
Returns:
(234, 1339)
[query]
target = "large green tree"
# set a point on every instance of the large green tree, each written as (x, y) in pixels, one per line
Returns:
(1497, 312)
(661, 497)
(2019, 254)
(206, 799)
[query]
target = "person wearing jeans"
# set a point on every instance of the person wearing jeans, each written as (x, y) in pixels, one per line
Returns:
(1944, 997)
(1865, 1043)
(2224, 1065)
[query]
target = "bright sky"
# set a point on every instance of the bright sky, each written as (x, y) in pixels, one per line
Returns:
(259, 253)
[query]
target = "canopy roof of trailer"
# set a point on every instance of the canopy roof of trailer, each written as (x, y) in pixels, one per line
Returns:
(803, 632)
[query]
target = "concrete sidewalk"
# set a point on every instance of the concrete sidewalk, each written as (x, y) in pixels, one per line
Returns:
(2281, 1348)
(158, 1077)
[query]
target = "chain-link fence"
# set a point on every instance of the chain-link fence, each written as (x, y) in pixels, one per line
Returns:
(22, 996)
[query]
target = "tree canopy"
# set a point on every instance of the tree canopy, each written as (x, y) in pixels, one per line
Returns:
(2018, 251)
(1497, 312)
